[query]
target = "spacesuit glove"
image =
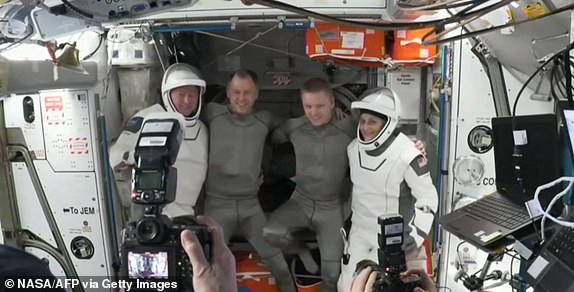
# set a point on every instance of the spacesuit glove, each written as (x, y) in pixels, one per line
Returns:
(217, 275)
(420, 146)
(127, 162)
(122, 166)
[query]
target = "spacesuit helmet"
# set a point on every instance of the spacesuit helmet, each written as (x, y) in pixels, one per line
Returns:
(178, 75)
(379, 101)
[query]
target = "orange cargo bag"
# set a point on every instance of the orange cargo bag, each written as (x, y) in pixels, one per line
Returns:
(346, 45)
(407, 47)
(252, 274)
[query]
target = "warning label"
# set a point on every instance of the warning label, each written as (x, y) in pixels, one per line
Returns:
(54, 103)
(78, 145)
(54, 110)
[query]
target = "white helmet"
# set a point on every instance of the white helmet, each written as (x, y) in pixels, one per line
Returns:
(382, 101)
(178, 75)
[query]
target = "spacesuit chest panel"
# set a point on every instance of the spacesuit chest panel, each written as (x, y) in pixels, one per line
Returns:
(192, 133)
(192, 160)
(193, 148)
(377, 179)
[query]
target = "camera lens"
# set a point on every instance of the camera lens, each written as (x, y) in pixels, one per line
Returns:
(148, 230)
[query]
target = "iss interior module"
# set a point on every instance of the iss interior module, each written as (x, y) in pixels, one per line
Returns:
(455, 64)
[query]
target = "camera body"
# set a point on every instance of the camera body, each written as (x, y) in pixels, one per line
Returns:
(151, 246)
(161, 257)
(391, 258)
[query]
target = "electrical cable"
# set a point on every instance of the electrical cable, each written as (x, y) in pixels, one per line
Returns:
(562, 84)
(462, 23)
(517, 155)
(102, 36)
(381, 25)
(449, 4)
(511, 271)
(535, 228)
(478, 271)
(113, 37)
(554, 200)
(255, 37)
(557, 197)
(568, 77)
(469, 8)
(456, 26)
(426, 42)
(458, 246)
(557, 77)
(512, 278)
(553, 82)
(302, 57)
(77, 10)
(558, 54)
(17, 42)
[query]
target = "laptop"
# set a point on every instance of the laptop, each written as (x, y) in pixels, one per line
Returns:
(489, 221)
(555, 263)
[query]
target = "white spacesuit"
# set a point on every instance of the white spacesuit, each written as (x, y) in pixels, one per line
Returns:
(191, 161)
(390, 176)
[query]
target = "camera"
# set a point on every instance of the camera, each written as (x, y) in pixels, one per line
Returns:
(151, 248)
(391, 258)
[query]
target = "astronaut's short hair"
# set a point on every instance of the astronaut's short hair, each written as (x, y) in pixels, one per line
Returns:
(316, 85)
(245, 74)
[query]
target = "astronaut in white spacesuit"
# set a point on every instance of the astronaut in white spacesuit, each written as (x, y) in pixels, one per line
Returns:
(390, 176)
(182, 89)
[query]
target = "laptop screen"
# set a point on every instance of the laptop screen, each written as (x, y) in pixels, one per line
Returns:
(541, 156)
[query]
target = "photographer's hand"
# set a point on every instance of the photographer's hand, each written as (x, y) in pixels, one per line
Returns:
(364, 281)
(217, 275)
(426, 282)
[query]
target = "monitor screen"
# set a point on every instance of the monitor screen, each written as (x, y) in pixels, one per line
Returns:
(148, 265)
(540, 163)
(149, 180)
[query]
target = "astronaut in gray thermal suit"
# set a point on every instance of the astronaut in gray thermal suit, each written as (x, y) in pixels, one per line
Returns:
(320, 142)
(237, 138)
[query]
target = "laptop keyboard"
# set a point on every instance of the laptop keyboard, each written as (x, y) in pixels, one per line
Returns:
(499, 211)
(562, 246)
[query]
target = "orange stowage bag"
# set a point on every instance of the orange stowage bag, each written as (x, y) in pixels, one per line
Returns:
(407, 48)
(346, 45)
(252, 275)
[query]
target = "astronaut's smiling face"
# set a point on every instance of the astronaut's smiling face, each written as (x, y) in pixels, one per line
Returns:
(242, 94)
(185, 99)
(370, 126)
(318, 107)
